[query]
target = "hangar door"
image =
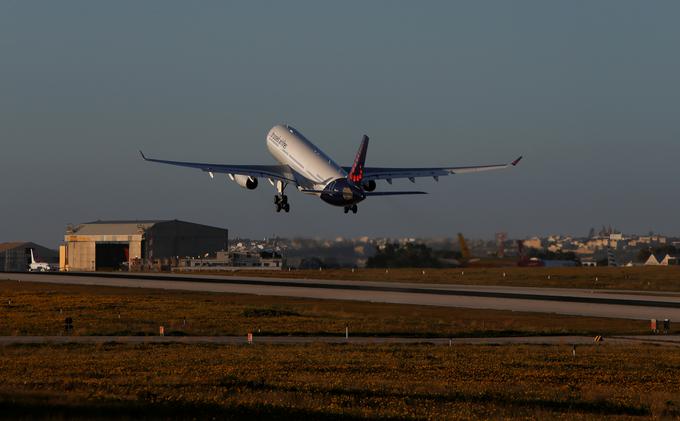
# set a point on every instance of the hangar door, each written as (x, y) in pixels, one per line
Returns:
(111, 256)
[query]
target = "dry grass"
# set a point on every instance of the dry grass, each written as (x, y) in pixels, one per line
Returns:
(40, 309)
(331, 381)
(634, 278)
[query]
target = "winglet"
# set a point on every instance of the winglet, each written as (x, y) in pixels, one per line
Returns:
(142, 154)
(516, 161)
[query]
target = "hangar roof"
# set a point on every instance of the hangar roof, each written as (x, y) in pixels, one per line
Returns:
(12, 245)
(114, 227)
(44, 251)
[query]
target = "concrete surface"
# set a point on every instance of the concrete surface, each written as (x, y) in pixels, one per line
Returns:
(615, 304)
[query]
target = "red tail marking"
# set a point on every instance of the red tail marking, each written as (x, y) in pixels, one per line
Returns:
(356, 174)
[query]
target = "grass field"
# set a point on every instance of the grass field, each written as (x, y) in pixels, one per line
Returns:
(329, 381)
(40, 309)
(633, 278)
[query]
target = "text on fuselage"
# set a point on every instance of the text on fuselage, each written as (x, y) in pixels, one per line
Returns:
(278, 140)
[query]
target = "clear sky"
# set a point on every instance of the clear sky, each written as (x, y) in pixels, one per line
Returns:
(587, 91)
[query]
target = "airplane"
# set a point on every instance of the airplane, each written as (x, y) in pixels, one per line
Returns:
(311, 171)
(38, 266)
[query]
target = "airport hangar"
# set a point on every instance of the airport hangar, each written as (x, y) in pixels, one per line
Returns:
(113, 245)
(16, 256)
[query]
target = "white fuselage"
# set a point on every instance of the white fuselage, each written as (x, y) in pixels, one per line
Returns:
(38, 266)
(290, 147)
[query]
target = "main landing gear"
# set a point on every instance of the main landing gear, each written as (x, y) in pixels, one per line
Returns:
(352, 208)
(281, 203)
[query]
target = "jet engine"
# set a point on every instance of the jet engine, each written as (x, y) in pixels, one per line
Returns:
(368, 185)
(245, 181)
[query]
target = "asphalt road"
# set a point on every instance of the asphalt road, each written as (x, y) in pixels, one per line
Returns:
(671, 340)
(616, 304)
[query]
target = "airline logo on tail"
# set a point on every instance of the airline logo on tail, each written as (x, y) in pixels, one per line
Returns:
(356, 174)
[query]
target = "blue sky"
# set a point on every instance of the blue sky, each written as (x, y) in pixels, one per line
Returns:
(589, 92)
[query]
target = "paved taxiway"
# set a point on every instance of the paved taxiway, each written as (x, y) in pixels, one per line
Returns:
(597, 303)
(671, 340)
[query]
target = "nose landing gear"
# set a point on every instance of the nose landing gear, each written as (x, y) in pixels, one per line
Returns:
(352, 208)
(281, 203)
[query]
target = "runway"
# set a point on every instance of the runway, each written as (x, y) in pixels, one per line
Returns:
(671, 340)
(596, 303)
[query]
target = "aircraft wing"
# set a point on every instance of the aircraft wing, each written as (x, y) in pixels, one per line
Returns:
(274, 172)
(377, 173)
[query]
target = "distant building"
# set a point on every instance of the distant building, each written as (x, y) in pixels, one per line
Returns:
(16, 256)
(224, 260)
(533, 243)
(616, 237)
(667, 260)
(652, 261)
(589, 262)
(560, 263)
(115, 245)
(555, 248)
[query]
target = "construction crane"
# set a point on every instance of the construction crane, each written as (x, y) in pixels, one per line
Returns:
(466, 257)
(464, 250)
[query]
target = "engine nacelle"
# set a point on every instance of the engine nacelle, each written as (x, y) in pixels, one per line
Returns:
(244, 181)
(368, 185)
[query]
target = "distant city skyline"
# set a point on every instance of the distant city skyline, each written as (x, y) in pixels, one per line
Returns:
(588, 92)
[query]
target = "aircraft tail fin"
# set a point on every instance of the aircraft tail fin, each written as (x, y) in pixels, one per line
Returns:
(32, 257)
(356, 174)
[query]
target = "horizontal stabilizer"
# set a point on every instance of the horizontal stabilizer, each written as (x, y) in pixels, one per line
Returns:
(392, 193)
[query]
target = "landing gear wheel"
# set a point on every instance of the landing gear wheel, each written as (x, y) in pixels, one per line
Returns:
(282, 199)
(354, 208)
(346, 209)
(281, 202)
